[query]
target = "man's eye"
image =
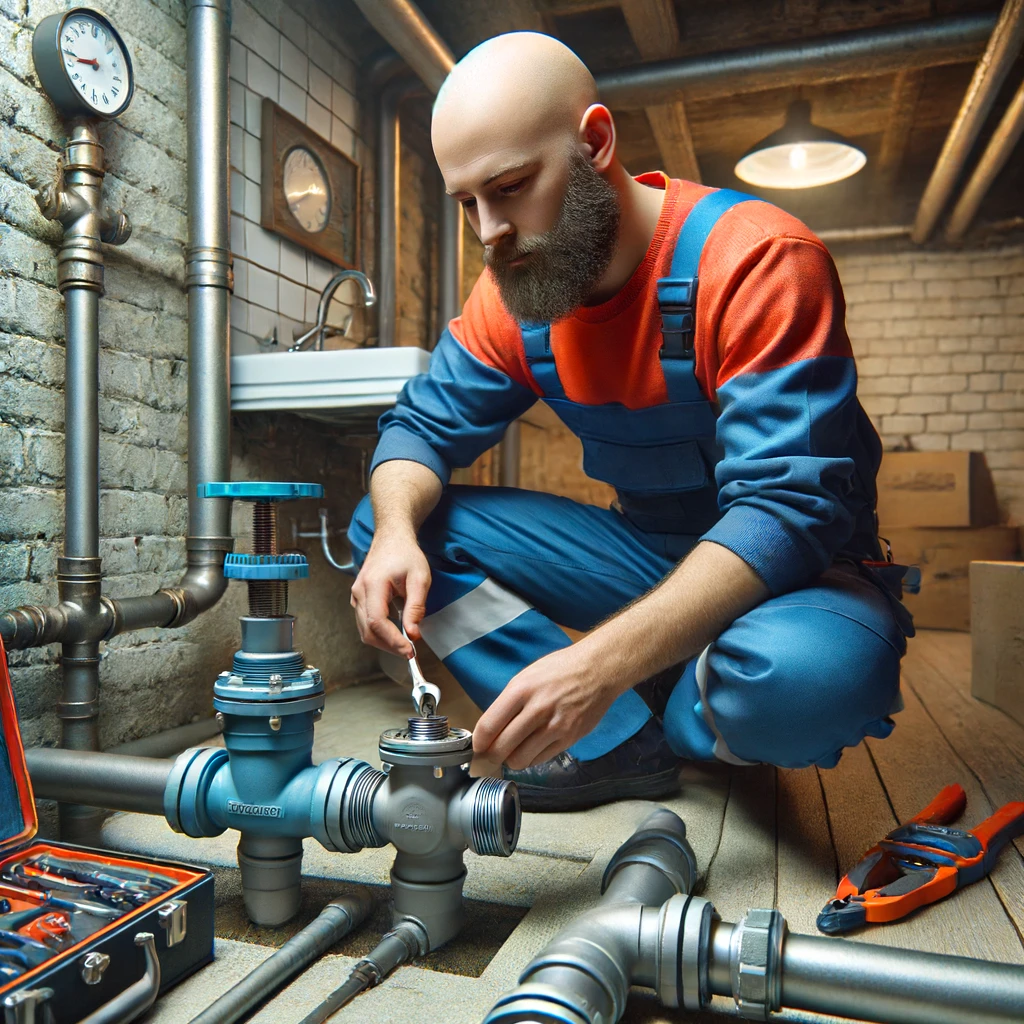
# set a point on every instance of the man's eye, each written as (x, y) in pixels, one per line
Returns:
(468, 204)
(511, 188)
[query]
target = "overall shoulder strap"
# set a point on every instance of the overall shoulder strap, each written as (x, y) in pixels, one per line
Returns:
(540, 359)
(677, 293)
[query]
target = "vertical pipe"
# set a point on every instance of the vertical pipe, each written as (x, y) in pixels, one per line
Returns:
(450, 238)
(388, 156)
(81, 423)
(208, 277)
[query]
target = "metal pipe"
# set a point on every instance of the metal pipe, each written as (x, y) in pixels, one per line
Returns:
(449, 258)
(208, 277)
(81, 422)
(170, 742)
(389, 151)
(335, 921)
(116, 782)
(208, 282)
(1002, 50)
(856, 54)
(402, 24)
(997, 152)
(898, 986)
(649, 931)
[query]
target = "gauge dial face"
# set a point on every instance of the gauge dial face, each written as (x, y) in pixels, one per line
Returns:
(96, 62)
(306, 189)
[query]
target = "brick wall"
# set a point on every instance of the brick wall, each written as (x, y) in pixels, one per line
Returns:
(939, 340)
(156, 678)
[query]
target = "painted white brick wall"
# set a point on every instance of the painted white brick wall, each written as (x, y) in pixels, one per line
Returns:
(276, 54)
(939, 341)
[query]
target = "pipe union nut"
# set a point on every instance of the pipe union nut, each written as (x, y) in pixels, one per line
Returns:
(756, 963)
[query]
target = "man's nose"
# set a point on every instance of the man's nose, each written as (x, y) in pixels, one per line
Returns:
(493, 226)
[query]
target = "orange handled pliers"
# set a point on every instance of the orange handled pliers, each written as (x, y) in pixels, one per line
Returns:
(920, 862)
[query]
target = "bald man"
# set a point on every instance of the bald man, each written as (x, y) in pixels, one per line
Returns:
(735, 599)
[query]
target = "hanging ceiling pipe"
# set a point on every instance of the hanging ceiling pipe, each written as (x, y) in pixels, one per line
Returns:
(857, 54)
(997, 152)
(87, 621)
(402, 24)
(1002, 50)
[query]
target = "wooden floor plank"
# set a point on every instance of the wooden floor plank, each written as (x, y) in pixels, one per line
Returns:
(986, 742)
(742, 874)
(806, 858)
(914, 764)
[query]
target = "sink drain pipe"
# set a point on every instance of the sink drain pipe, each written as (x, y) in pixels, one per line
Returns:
(336, 920)
(649, 930)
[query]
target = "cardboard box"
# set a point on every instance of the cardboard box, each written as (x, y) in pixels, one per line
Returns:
(997, 640)
(944, 557)
(936, 489)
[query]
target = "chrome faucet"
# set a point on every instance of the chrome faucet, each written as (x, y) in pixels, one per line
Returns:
(318, 331)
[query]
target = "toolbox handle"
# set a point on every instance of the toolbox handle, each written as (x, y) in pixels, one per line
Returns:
(139, 996)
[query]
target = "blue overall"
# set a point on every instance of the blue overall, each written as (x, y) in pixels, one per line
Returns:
(791, 683)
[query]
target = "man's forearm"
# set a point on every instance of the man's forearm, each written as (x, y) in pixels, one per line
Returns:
(403, 493)
(692, 606)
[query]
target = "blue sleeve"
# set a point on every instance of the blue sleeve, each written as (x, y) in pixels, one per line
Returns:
(446, 417)
(787, 476)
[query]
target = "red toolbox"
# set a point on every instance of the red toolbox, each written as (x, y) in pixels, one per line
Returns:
(82, 929)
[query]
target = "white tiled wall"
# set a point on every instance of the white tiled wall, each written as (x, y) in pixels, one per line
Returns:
(277, 283)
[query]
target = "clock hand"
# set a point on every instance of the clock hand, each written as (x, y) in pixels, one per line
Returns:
(91, 60)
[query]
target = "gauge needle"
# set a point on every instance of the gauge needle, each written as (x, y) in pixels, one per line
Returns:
(90, 60)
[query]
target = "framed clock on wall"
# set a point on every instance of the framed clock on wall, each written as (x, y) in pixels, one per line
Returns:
(310, 190)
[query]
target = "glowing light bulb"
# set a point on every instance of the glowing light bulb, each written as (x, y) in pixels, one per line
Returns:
(798, 157)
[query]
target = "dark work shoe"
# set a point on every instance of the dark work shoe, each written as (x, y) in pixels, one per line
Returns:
(642, 768)
(656, 690)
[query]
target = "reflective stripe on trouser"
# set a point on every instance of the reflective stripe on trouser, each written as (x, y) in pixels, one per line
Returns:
(793, 681)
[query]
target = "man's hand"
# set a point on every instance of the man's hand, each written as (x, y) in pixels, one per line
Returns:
(403, 493)
(560, 698)
(394, 567)
(545, 709)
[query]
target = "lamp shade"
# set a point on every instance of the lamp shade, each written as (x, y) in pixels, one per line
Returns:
(800, 155)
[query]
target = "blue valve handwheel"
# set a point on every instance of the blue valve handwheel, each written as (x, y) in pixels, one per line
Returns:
(252, 490)
(265, 567)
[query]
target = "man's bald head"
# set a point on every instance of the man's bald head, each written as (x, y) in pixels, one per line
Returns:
(524, 145)
(521, 85)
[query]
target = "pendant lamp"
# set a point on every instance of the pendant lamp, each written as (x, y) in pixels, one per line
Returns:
(800, 155)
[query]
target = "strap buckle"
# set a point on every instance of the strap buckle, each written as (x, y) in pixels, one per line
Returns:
(677, 300)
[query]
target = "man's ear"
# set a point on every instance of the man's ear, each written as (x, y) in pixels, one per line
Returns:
(597, 136)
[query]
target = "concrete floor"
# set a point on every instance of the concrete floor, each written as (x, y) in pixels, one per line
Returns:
(762, 837)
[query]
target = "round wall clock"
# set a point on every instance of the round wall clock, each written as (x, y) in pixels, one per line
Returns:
(309, 189)
(306, 189)
(83, 63)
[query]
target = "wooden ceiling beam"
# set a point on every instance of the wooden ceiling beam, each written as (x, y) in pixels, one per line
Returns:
(653, 26)
(895, 139)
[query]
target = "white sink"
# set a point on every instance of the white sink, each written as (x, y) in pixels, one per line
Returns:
(337, 384)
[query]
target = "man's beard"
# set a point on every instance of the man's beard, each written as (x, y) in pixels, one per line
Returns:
(565, 264)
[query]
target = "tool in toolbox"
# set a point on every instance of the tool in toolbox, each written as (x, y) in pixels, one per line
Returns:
(920, 862)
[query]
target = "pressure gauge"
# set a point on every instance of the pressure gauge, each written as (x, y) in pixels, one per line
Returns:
(83, 63)
(306, 189)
